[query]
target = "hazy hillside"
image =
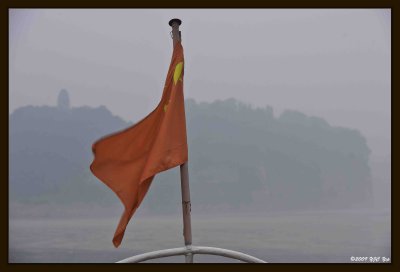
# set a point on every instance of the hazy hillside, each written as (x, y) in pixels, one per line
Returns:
(50, 148)
(240, 158)
(289, 162)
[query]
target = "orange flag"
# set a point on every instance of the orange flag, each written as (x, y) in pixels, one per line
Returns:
(127, 161)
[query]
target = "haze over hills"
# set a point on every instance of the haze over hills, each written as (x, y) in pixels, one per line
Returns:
(240, 158)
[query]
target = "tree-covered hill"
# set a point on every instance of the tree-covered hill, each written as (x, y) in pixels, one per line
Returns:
(239, 157)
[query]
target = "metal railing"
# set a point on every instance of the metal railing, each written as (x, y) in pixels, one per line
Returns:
(189, 251)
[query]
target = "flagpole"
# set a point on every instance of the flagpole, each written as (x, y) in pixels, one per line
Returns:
(186, 205)
(186, 209)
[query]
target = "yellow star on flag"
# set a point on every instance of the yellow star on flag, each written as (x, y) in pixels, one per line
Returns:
(178, 72)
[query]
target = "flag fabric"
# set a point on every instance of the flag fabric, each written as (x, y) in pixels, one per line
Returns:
(128, 160)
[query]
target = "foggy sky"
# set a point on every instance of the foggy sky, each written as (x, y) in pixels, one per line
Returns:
(331, 63)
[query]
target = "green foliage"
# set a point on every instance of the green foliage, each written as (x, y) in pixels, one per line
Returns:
(235, 152)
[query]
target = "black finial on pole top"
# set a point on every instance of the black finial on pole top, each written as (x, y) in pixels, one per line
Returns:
(175, 20)
(175, 33)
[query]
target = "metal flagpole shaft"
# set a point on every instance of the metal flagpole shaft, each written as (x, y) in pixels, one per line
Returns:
(186, 209)
(187, 226)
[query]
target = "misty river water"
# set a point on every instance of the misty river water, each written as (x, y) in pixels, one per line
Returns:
(295, 237)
